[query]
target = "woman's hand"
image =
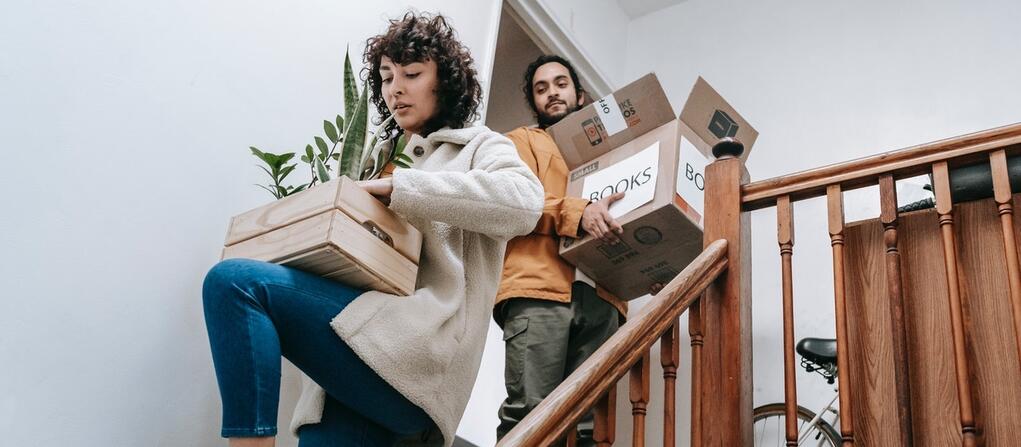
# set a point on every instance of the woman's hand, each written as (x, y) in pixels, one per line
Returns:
(381, 188)
(597, 221)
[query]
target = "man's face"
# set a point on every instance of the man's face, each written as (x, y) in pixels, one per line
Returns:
(554, 93)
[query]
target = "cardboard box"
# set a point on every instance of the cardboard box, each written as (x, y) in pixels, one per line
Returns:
(336, 230)
(662, 174)
(662, 230)
(612, 120)
(711, 118)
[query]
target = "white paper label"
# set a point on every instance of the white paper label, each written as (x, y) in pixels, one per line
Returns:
(691, 176)
(635, 176)
(609, 113)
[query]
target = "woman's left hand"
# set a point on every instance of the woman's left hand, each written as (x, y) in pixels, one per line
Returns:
(381, 188)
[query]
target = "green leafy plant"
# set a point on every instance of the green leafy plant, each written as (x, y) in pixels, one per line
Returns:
(277, 169)
(344, 143)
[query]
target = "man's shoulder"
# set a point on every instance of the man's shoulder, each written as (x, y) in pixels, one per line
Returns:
(534, 137)
(529, 130)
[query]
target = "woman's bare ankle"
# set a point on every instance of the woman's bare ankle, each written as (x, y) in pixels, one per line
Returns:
(266, 441)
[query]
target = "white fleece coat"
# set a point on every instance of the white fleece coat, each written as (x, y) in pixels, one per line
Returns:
(468, 192)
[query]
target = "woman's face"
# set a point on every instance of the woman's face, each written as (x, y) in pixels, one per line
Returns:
(409, 92)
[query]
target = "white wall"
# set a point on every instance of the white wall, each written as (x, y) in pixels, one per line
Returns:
(508, 108)
(600, 28)
(826, 82)
(125, 131)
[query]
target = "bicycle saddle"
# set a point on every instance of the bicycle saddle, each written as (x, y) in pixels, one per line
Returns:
(818, 350)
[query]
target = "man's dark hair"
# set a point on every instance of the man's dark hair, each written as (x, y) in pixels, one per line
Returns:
(415, 38)
(530, 76)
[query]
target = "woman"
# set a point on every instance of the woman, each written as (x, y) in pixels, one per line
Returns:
(380, 366)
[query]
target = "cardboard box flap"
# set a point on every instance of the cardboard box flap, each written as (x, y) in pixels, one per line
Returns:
(713, 118)
(610, 121)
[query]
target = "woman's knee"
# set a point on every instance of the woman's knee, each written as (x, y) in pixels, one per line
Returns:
(230, 275)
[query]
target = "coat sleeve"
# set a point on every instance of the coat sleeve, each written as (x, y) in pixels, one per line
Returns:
(560, 215)
(498, 197)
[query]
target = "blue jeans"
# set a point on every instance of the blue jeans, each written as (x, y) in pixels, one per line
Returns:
(255, 312)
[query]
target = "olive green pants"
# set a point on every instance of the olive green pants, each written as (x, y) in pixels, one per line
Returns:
(545, 342)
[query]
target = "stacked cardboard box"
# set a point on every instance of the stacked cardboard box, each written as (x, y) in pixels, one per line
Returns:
(631, 142)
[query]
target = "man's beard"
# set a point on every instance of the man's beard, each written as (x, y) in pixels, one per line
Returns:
(546, 120)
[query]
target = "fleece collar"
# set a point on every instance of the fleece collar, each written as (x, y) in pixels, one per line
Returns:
(459, 137)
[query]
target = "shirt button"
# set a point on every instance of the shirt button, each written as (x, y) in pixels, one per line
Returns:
(418, 151)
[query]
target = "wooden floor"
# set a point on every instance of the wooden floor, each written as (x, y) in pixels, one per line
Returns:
(995, 373)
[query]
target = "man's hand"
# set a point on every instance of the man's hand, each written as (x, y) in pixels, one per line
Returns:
(597, 221)
(381, 188)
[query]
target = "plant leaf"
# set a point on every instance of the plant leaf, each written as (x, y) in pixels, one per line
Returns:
(270, 159)
(354, 138)
(367, 171)
(284, 158)
(405, 158)
(283, 191)
(335, 156)
(331, 131)
(256, 152)
(401, 143)
(340, 123)
(270, 174)
(308, 153)
(306, 159)
(324, 175)
(271, 190)
(381, 159)
(371, 146)
(286, 170)
(324, 150)
(299, 188)
(350, 90)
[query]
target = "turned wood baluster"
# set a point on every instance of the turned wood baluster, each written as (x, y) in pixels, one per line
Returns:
(1004, 201)
(695, 333)
(638, 390)
(669, 357)
(835, 205)
(888, 217)
(605, 415)
(785, 238)
(944, 208)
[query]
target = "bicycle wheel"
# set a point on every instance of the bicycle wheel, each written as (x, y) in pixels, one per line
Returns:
(768, 428)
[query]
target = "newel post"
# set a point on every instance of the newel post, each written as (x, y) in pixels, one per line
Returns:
(724, 315)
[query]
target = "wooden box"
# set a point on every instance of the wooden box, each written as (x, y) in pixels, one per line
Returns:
(335, 230)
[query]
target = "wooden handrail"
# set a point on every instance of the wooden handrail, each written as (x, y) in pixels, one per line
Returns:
(909, 162)
(562, 409)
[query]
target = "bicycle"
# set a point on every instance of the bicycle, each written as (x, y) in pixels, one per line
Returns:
(818, 355)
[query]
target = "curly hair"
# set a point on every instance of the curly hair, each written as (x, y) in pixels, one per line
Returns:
(420, 37)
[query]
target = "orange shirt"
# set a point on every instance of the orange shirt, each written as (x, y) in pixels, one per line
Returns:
(533, 267)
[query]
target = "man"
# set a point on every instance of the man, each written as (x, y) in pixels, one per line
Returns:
(553, 318)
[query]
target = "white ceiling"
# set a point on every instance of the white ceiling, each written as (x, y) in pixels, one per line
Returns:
(638, 8)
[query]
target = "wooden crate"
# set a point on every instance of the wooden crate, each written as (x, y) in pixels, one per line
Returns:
(335, 230)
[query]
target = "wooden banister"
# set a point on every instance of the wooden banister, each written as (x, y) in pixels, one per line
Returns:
(715, 290)
(908, 162)
(565, 406)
